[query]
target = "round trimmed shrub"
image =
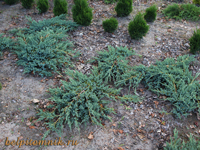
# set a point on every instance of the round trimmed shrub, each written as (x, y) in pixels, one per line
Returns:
(138, 27)
(60, 7)
(195, 42)
(150, 14)
(82, 13)
(42, 5)
(27, 3)
(11, 2)
(124, 8)
(110, 25)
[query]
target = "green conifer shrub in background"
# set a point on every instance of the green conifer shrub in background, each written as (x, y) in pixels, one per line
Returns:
(184, 11)
(60, 7)
(110, 25)
(196, 2)
(124, 8)
(172, 11)
(113, 63)
(11, 2)
(82, 13)
(150, 14)
(177, 144)
(79, 101)
(110, 1)
(195, 42)
(138, 27)
(42, 6)
(0, 86)
(170, 78)
(27, 3)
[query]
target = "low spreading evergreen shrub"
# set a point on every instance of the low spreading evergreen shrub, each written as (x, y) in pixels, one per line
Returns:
(110, 25)
(195, 42)
(43, 52)
(11, 2)
(184, 11)
(170, 78)
(113, 63)
(0, 86)
(27, 3)
(79, 101)
(5, 43)
(53, 24)
(177, 144)
(60, 7)
(124, 8)
(150, 14)
(42, 6)
(196, 2)
(42, 48)
(138, 27)
(82, 13)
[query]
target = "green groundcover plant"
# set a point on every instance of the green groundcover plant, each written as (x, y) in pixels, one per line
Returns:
(171, 78)
(82, 99)
(195, 42)
(178, 144)
(184, 11)
(113, 63)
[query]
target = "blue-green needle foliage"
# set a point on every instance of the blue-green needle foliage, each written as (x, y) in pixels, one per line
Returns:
(5, 43)
(113, 63)
(177, 144)
(79, 101)
(42, 48)
(171, 78)
(43, 52)
(53, 23)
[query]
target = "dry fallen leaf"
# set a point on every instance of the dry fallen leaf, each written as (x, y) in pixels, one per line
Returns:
(35, 101)
(32, 127)
(91, 136)
(120, 148)
(120, 131)
(28, 123)
(114, 124)
(141, 136)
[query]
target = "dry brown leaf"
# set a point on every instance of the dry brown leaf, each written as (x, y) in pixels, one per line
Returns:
(35, 101)
(120, 148)
(91, 136)
(120, 131)
(32, 127)
(114, 124)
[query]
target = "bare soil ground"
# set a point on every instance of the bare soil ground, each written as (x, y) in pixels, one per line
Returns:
(140, 126)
